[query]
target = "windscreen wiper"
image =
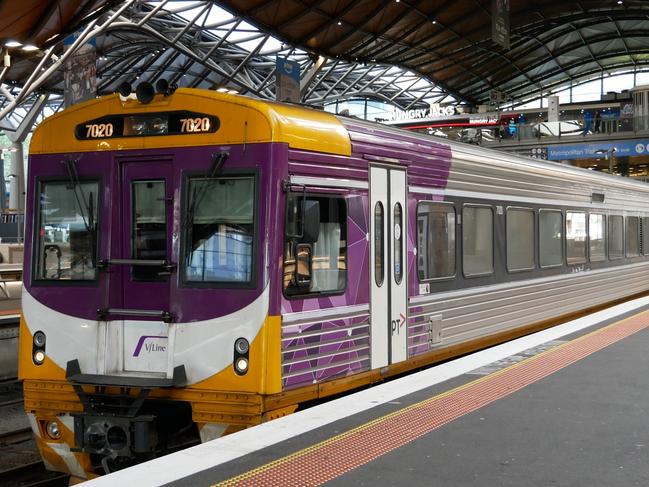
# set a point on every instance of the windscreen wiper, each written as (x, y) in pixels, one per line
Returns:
(199, 194)
(85, 207)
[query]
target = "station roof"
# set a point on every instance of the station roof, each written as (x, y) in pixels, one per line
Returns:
(41, 23)
(407, 52)
(450, 41)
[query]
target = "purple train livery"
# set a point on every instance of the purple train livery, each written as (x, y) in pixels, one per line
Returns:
(198, 263)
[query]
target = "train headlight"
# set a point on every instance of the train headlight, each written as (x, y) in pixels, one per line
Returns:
(241, 365)
(39, 357)
(38, 347)
(53, 430)
(241, 346)
(240, 359)
(39, 339)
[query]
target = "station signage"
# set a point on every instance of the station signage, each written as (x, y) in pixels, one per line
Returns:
(483, 120)
(435, 110)
(637, 147)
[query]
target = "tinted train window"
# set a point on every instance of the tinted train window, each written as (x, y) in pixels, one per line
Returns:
(550, 238)
(597, 237)
(477, 241)
(632, 236)
(575, 237)
(66, 234)
(435, 240)
(615, 237)
(520, 239)
(328, 258)
(645, 235)
(219, 229)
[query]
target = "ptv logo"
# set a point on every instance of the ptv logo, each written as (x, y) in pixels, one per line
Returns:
(397, 324)
(149, 346)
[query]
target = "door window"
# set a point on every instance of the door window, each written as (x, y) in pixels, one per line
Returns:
(379, 257)
(149, 238)
(398, 243)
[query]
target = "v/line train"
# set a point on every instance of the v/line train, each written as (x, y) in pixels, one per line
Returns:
(205, 262)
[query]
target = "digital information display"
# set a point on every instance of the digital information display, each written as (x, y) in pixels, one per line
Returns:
(147, 124)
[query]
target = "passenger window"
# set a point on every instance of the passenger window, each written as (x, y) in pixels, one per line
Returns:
(632, 236)
(66, 238)
(615, 237)
(575, 237)
(597, 237)
(327, 238)
(435, 240)
(550, 238)
(220, 229)
(520, 239)
(645, 235)
(477, 241)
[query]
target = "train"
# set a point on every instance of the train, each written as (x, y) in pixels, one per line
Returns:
(199, 262)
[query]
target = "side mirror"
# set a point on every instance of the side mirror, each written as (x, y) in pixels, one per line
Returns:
(304, 265)
(302, 219)
(311, 221)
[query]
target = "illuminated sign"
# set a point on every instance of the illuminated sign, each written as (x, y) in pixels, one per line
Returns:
(147, 124)
(434, 111)
(600, 150)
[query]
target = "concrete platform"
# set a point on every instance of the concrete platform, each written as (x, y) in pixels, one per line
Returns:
(567, 406)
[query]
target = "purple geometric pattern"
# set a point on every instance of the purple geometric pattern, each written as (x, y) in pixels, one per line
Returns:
(324, 350)
(317, 352)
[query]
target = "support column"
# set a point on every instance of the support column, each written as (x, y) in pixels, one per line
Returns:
(3, 183)
(17, 183)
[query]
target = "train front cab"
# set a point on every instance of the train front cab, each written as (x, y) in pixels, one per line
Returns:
(148, 322)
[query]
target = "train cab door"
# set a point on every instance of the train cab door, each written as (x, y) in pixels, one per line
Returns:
(144, 261)
(388, 268)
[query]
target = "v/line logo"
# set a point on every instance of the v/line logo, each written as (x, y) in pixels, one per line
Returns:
(149, 347)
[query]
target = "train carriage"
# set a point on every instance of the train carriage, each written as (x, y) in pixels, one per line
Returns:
(201, 262)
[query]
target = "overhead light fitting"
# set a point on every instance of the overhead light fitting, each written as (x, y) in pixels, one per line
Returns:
(30, 48)
(13, 44)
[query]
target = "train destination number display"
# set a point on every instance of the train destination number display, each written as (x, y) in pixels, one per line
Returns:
(147, 124)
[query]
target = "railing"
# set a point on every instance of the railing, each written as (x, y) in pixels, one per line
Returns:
(535, 131)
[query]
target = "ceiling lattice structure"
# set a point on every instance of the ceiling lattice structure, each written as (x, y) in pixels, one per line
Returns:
(407, 52)
(198, 44)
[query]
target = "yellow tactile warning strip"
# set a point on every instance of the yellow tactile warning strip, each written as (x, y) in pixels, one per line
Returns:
(329, 459)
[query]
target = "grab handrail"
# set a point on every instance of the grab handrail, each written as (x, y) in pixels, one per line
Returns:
(166, 316)
(167, 266)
